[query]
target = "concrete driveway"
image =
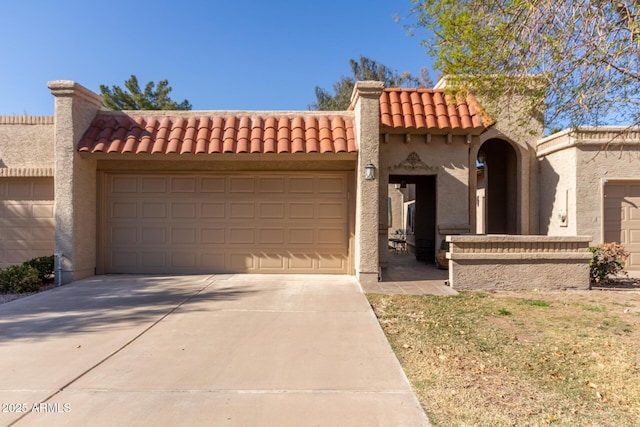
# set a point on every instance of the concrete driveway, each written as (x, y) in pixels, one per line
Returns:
(223, 350)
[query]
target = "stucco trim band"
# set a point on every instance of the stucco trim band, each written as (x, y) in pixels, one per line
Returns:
(26, 172)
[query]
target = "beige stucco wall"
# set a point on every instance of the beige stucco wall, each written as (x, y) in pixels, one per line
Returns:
(584, 149)
(366, 102)
(522, 128)
(26, 145)
(558, 196)
(508, 262)
(447, 161)
(75, 181)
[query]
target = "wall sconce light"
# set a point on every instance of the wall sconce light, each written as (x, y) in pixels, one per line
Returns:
(369, 172)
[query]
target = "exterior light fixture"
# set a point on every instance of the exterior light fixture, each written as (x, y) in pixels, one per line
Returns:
(369, 172)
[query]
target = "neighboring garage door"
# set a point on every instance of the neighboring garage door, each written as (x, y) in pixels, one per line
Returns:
(241, 223)
(26, 219)
(622, 219)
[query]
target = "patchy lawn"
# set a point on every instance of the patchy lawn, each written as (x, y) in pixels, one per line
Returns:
(565, 358)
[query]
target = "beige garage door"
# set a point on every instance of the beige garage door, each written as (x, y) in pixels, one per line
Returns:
(26, 219)
(622, 218)
(244, 223)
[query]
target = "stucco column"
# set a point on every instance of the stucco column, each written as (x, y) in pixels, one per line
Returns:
(366, 102)
(75, 181)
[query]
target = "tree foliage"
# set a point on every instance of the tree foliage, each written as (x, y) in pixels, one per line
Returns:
(585, 54)
(132, 98)
(363, 69)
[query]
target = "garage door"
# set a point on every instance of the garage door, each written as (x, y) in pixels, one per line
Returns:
(622, 219)
(241, 223)
(26, 219)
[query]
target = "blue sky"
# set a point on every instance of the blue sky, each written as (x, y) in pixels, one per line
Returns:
(220, 55)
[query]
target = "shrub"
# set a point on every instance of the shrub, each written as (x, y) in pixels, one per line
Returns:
(608, 259)
(19, 279)
(43, 265)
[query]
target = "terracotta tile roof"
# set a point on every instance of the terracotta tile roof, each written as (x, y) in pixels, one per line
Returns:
(209, 133)
(432, 109)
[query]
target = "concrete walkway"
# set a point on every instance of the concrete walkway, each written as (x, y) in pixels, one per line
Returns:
(405, 276)
(240, 350)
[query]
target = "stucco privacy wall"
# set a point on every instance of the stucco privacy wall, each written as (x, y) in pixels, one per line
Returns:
(26, 146)
(75, 183)
(585, 148)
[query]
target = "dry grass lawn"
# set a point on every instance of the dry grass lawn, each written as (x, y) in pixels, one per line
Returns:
(565, 358)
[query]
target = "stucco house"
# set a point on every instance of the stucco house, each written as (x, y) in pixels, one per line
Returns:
(296, 192)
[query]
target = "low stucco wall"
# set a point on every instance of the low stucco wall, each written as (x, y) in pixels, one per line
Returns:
(492, 262)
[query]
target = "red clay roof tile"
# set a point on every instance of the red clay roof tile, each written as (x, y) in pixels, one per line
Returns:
(216, 133)
(432, 109)
(211, 133)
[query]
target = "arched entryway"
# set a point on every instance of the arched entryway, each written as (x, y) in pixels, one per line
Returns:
(497, 188)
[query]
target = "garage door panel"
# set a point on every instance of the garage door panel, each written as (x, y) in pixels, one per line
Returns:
(242, 262)
(332, 210)
(271, 185)
(271, 210)
(301, 261)
(332, 236)
(153, 260)
(241, 185)
(241, 236)
(124, 210)
(182, 210)
(26, 219)
(14, 210)
(153, 236)
(183, 185)
(301, 185)
(212, 236)
(632, 214)
(329, 261)
(271, 236)
(124, 185)
(153, 210)
(123, 261)
(301, 210)
(123, 236)
(242, 210)
(214, 210)
(271, 261)
(181, 260)
(331, 186)
(622, 219)
(213, 185)
(237, 223)
(183, 235)
(153, 185)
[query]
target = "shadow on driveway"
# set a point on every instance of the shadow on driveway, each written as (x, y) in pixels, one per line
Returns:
(108, 301)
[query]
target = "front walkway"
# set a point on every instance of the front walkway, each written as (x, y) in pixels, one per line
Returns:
(237, 350)
(405, 275)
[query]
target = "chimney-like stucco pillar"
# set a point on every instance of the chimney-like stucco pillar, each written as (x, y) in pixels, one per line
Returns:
(75, 181)
(366, 102)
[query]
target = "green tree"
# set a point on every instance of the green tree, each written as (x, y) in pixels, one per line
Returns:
(363, 69)
(585, 54)
(132, 98)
